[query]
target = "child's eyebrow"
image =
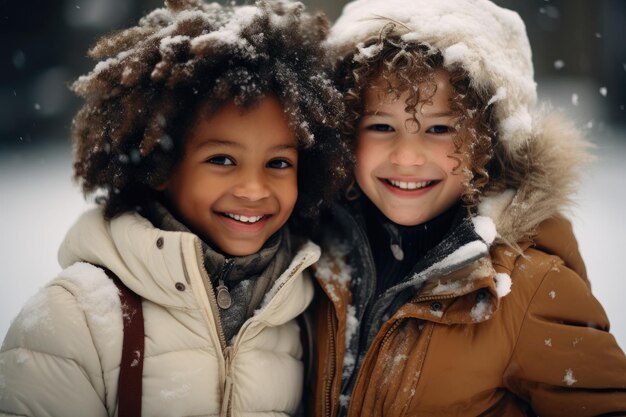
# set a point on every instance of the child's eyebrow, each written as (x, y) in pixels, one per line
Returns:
(439, 114)
(234, 144)
(218, 142)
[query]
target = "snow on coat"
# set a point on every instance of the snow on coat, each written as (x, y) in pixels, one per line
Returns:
(507, 323)
(62, 354)
(507, 316)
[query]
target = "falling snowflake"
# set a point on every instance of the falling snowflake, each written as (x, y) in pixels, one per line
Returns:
(548, 342)
(569, 377)
(603, 91)
(559, 64)
(552, 294)
(575, 99)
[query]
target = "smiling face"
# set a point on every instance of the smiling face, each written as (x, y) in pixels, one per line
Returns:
(237, 182)
(405, 171)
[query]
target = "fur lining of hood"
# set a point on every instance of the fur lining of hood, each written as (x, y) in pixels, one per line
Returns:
(548, 168)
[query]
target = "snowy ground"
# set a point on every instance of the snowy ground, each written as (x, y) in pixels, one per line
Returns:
(39, 202)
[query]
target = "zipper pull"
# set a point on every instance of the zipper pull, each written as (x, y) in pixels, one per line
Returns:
(224, 300)
(395, 241)
(397, 252)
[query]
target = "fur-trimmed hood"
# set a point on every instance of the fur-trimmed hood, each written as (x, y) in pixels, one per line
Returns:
(548, 168)
(543, 152)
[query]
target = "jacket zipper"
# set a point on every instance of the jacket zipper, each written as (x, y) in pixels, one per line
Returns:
(293, 272)
(209, 290)
(392, 329)
(388, 333)
(228, 385)
(229, 352)
(332, 364)
(432, 297)
(385, 339)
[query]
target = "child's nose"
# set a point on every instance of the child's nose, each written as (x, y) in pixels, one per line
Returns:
(407, 152)
(252, 187)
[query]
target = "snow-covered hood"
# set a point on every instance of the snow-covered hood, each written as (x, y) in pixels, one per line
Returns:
(546, 153)
(488, 41)
(548, 168)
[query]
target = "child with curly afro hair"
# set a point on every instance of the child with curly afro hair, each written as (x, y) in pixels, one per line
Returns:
(206, 130)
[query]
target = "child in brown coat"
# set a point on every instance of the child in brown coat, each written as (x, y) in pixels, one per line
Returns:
(451, 283)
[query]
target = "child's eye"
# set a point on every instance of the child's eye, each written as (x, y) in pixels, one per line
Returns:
(380, 127)
(221, 160)
(279, 164)
(440, 129)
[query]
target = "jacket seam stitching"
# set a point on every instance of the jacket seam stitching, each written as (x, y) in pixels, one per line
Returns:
(519, 332)
(98, 353)
(40, 352)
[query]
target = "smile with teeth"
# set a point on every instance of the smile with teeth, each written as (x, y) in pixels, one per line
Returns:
(244, 219)
(408, 185)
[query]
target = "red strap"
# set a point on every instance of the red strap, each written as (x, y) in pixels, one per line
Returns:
(131, 368)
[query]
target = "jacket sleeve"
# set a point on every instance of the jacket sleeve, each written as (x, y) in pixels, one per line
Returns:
(565, 362)
(49, 365)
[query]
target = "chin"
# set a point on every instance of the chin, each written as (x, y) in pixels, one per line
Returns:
(404, 220)
(241, 250)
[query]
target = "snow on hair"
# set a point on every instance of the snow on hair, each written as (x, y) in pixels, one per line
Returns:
(155, 78)
(409, 67)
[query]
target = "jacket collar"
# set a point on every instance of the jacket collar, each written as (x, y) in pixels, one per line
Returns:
(346, 270)
(149, 261)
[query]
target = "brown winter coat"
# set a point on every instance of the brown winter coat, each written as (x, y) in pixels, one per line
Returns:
(463, 345)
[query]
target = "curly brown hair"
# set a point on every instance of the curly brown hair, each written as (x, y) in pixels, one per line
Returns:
(154, 79)
(401, 67)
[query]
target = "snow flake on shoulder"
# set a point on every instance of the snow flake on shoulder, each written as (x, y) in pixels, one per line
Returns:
(334, 271)
(35, 314)
(485, 228)
(98, 296)
(471, 250)
(352, 325)
(503, 284)
(332, 265)
(569, 377)
(481, 311)
(456, 287)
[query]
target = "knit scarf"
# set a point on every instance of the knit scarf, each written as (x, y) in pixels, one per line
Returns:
(247, 278)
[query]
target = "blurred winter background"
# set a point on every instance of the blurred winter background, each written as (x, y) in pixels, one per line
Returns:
(580, 62)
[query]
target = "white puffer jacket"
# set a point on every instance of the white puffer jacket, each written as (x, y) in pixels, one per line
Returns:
(61, 356)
